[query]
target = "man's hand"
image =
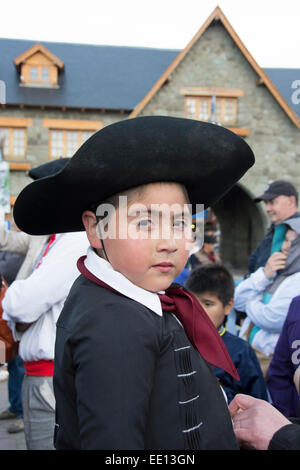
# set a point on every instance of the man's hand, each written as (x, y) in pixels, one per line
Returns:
(255, 421)
(276, 262)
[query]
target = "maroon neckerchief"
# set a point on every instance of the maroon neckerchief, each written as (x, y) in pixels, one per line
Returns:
(199, 328)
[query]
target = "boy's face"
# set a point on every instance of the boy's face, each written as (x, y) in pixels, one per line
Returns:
(148, 243)
(214, 307)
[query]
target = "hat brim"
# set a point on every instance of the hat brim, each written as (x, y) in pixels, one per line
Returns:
(206, 158)
(265, 197)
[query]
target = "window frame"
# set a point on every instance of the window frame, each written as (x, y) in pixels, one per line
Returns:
(221, 100)
(14, 124)
(222, 96)
(65, 126)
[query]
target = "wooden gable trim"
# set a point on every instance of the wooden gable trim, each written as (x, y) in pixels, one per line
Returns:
(38, 48)
(217, 14)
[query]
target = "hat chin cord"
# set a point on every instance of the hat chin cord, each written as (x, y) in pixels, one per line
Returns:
(102, 243)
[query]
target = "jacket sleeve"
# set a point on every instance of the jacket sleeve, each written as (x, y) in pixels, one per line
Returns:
(271, 316)
(250, 288)
(11, 240)
(114, 355)
(27, 299)
(252, 380)
(287, 438)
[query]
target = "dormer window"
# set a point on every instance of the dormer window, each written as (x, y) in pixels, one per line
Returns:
(38, 67)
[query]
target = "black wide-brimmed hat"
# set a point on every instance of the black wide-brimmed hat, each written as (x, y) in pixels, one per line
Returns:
(206, 158)
(48, 169)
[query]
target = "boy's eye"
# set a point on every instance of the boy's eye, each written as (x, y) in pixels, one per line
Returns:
(145, 223)
(180, 223)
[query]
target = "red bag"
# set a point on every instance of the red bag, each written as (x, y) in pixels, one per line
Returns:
(8, 347)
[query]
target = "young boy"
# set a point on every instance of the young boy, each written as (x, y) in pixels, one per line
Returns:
(213, 286)
(127, 374)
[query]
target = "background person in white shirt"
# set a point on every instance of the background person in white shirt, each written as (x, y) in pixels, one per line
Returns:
(31, 306)
(266, 295)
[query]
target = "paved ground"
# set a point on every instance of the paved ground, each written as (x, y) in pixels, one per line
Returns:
(8, 441)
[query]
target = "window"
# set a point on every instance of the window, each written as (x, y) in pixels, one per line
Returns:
(64, 143)
(37, 75)
(33, 74)
(218, 105)
(38, 67)
(216, 109)
(45, 75)
(66, 135)
(13, 143)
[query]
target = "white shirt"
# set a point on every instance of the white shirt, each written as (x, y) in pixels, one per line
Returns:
(40, 297)
(104, 271)
(269, 317)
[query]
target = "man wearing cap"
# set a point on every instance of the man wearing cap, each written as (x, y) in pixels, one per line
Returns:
(281, 204)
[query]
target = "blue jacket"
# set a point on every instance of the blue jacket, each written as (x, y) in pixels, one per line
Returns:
(245, 360)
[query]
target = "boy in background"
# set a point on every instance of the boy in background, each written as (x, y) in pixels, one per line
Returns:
(213, 286)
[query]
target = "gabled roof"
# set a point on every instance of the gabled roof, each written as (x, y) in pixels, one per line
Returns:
(33, 50)
(95, 77)
(105, 77)
(218, 15)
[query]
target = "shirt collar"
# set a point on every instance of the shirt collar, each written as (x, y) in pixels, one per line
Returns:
(104, 271)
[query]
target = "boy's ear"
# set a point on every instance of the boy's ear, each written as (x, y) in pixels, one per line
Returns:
(229, 307)
(90, 224)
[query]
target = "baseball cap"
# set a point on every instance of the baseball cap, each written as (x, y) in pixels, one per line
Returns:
(278, 188)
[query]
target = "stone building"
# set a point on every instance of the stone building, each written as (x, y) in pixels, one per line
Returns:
(58, 94)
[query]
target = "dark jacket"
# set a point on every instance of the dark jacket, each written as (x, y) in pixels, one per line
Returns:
(287, 438)
(127, 378)
(245, 360)
(10, 264)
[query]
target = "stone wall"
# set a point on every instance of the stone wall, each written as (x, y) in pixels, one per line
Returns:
(37, 135)
(215, 61)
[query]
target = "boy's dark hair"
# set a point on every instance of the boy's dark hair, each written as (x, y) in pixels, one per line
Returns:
(212, 278)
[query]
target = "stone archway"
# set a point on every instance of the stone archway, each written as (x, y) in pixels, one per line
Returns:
(242, 227)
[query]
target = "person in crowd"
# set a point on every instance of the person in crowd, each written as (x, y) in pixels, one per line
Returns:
(266, 295)
(131, 364)
(206, 255)
(31, 307)
(213, 286)
(281, 203)
(259, 425)
(285, 362)
(22, 245)
(10, 263)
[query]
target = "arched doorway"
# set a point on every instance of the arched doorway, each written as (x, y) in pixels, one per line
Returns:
(242, 226)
